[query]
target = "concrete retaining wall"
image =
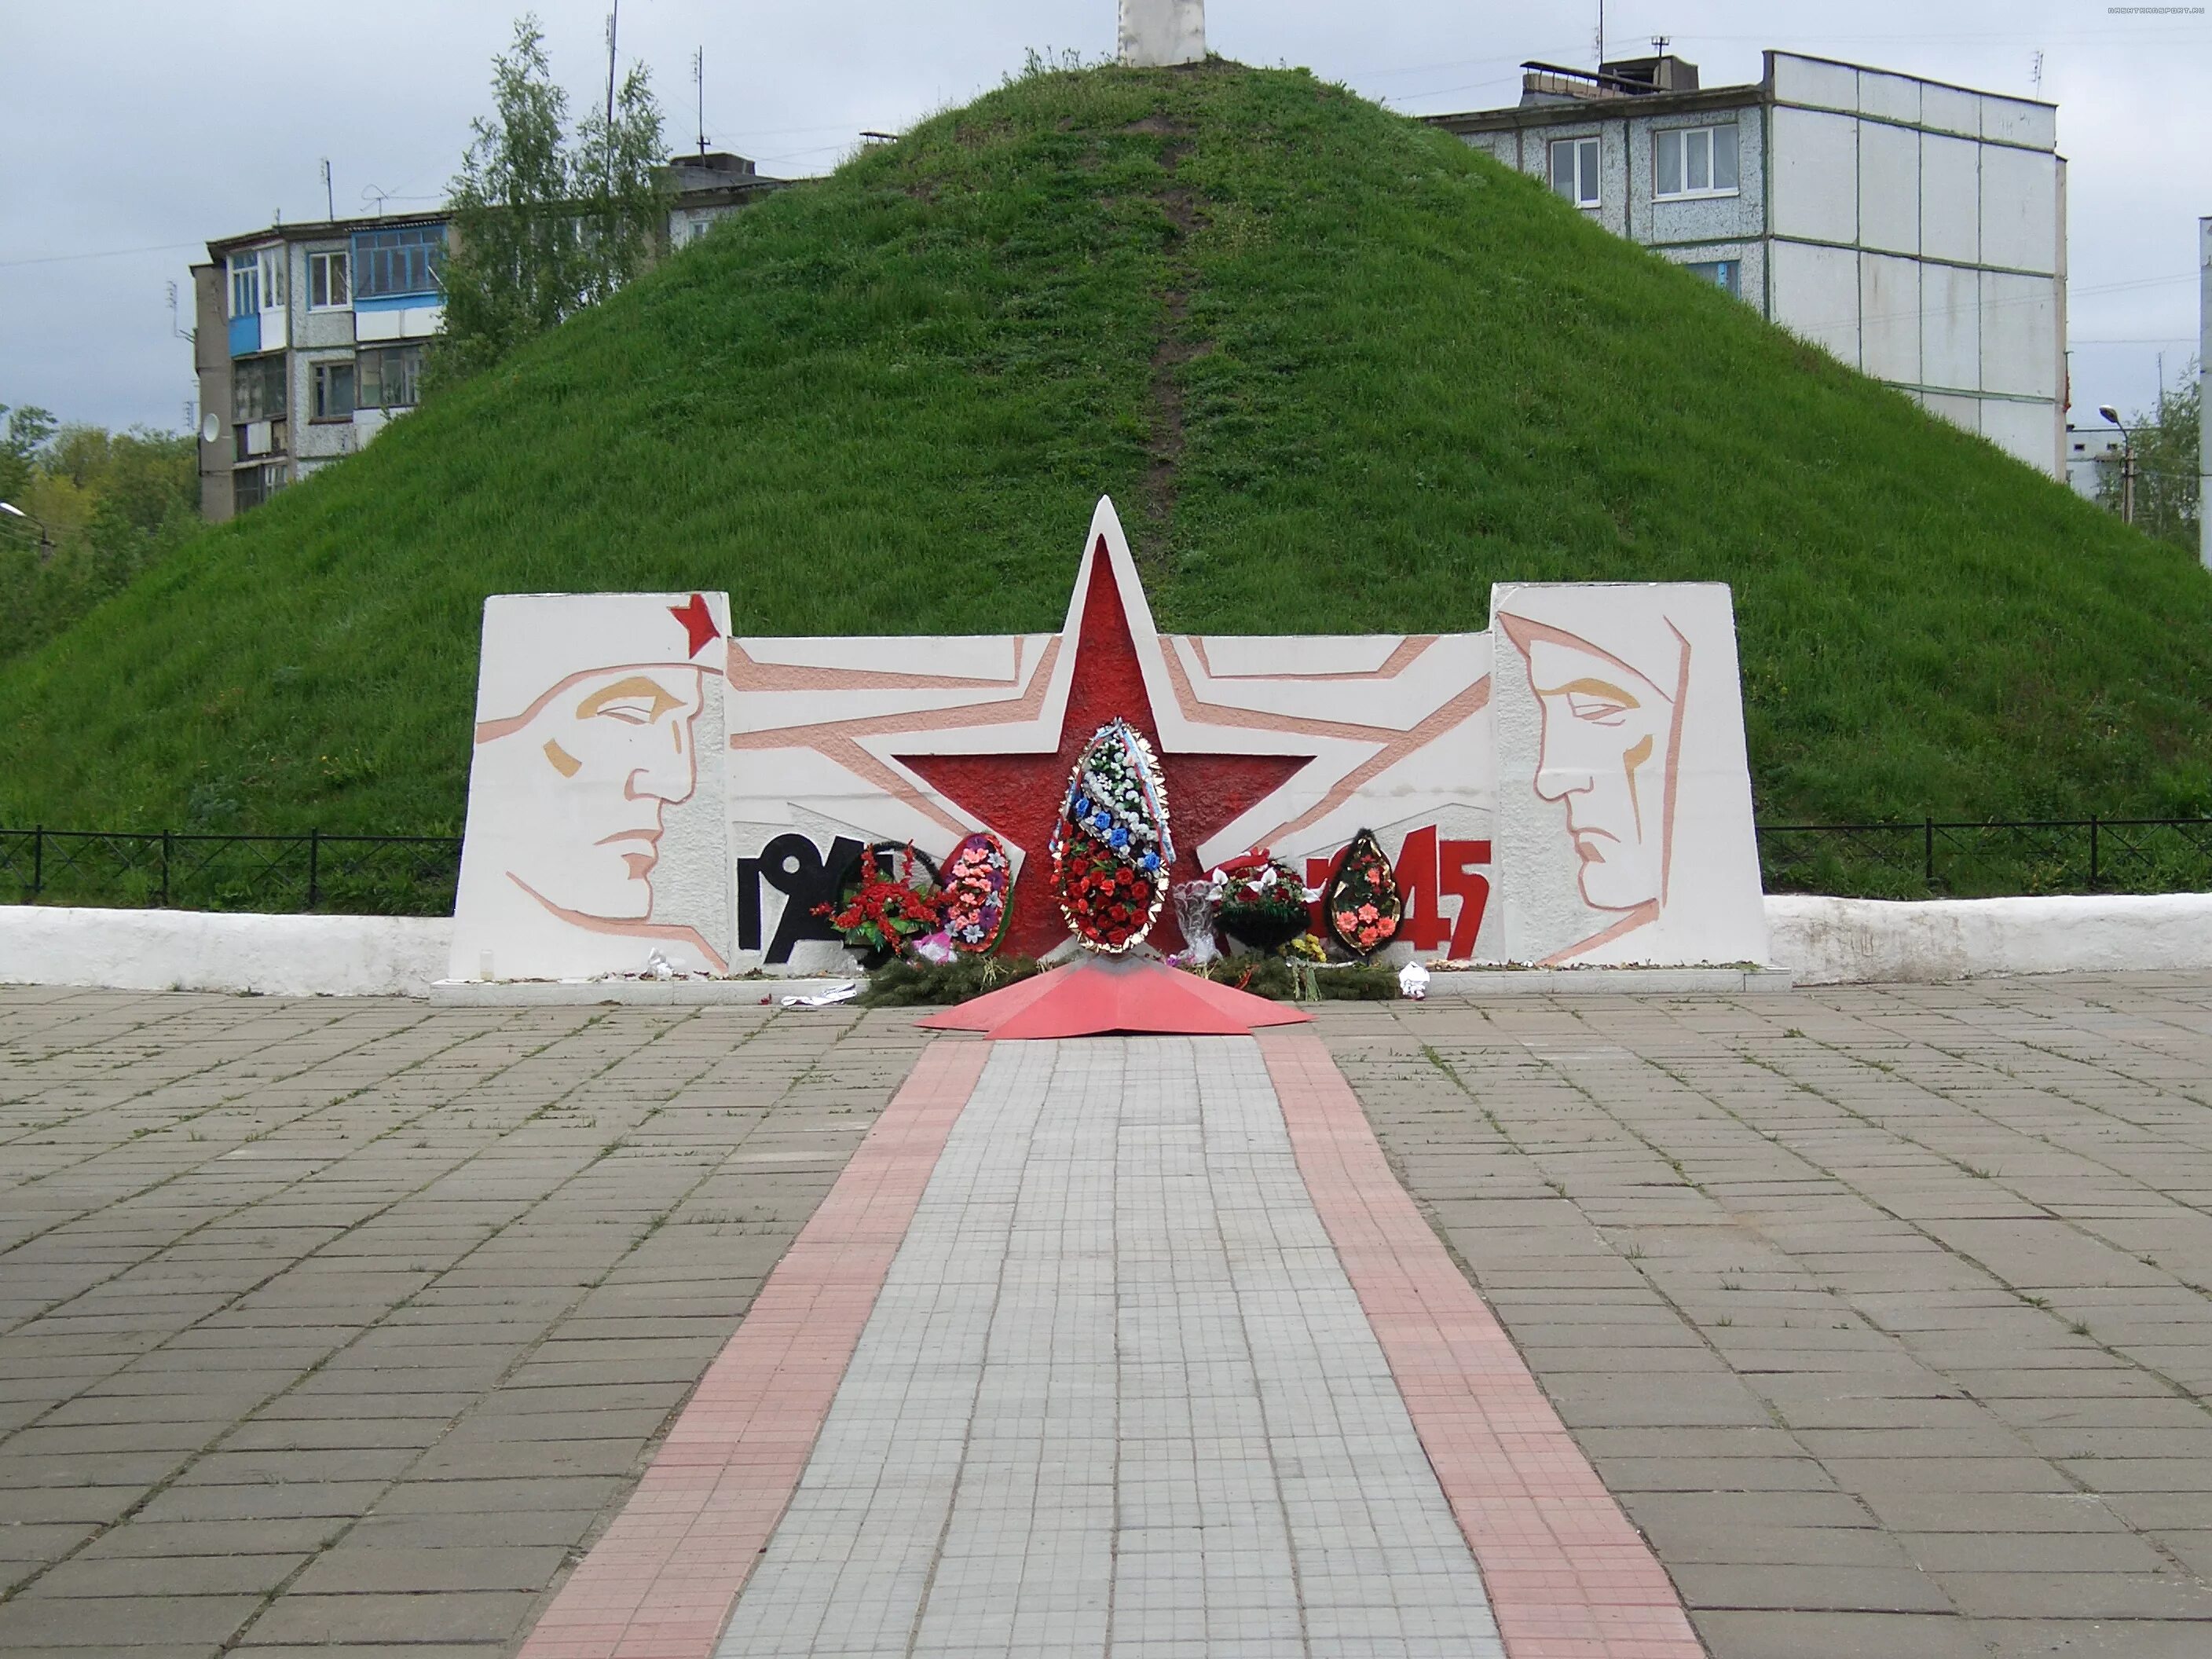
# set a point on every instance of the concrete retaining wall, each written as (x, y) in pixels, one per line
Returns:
(1822, 941)
(1831, 941)
(201, 950)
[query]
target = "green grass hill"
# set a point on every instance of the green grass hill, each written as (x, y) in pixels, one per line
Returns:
(1340, 373)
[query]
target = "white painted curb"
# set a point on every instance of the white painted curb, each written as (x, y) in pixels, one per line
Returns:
(1816, 941)
(1836, 941)
(210, 950)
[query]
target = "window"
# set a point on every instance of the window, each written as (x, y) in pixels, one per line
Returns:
(328, 288)
(393, 262)
(1726, 275)
(244, 284)
(257, 388)
(252, 485)
(334, 390)
(1695, 161)
(1574, 170)
(387, 378)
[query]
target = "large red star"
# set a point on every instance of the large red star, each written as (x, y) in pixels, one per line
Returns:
(1019, 795)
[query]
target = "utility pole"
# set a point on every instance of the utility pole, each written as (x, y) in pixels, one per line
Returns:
(1601, 36)
(2127, 463)
(614, 20)
(2204, 384)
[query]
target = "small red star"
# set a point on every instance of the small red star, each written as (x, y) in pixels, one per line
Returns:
(1019, 795)
(698, 622)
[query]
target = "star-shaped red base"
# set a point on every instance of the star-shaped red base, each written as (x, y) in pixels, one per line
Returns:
(1019, 795)
(1104, 996)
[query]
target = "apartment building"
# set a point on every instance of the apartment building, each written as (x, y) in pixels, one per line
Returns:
(1915, 230)
(310, 336)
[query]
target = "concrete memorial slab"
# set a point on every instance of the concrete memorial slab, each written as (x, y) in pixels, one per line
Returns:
(596, 833)
(1568, 787)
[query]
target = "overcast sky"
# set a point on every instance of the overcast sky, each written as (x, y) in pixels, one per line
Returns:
(131, 130)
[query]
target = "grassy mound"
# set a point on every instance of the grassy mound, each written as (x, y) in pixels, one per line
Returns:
(1340, 373)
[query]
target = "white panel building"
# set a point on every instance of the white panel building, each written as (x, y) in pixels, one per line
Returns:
(310, 338)
(1915, 230)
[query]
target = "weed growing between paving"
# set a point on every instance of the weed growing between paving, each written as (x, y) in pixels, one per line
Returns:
(884, 402)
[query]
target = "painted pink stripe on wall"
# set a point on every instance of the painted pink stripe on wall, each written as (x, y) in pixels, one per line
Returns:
(660, 1583)
(1568, 1576)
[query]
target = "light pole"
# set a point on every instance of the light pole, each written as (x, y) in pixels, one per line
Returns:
(46, 542)
(2127, 464)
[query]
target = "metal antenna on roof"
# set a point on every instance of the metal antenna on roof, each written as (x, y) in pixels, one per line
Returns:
(330, 202)
(1658, 46)
(176, 328)
(2035, 73)
(1601, 36)
(699, 80)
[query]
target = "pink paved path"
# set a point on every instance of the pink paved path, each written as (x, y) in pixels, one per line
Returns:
(1568, 1578)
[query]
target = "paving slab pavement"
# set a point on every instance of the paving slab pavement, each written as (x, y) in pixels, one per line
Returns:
(344, 1326)
(1882, 1310)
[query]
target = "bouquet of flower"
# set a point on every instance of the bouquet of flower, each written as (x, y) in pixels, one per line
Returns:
(1194, 912)
(977, 897)
(1111, 849)
(1260, 901)
(1363, 908)
(888, 908)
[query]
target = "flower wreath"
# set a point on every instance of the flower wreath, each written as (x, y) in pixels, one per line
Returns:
(884, 909)
(1364, 906)
(978, 897)
(1111, 847)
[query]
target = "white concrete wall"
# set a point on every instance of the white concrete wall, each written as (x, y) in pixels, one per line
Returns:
(201, 950)
(1921, 238)
(1826, 941)
(1823, 941)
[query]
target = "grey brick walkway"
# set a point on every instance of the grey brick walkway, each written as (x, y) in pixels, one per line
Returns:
(338, 1326)
(1883, 1312)
(1117, 1396)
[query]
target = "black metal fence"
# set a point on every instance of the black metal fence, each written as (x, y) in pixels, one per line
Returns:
(372, 875)
(415, 875)
(1934, 859)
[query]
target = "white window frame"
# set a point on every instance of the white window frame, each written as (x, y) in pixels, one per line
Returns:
(245, 271)
(272, 278)
(410, 352)
(321, 267)
(1589, 157)
(1683, 141)
(319, 375)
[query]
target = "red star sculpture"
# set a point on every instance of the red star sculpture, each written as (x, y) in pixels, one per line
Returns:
(1019, 795)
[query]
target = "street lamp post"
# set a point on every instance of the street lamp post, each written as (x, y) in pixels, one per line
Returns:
(2127, 464)
(45, 541)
